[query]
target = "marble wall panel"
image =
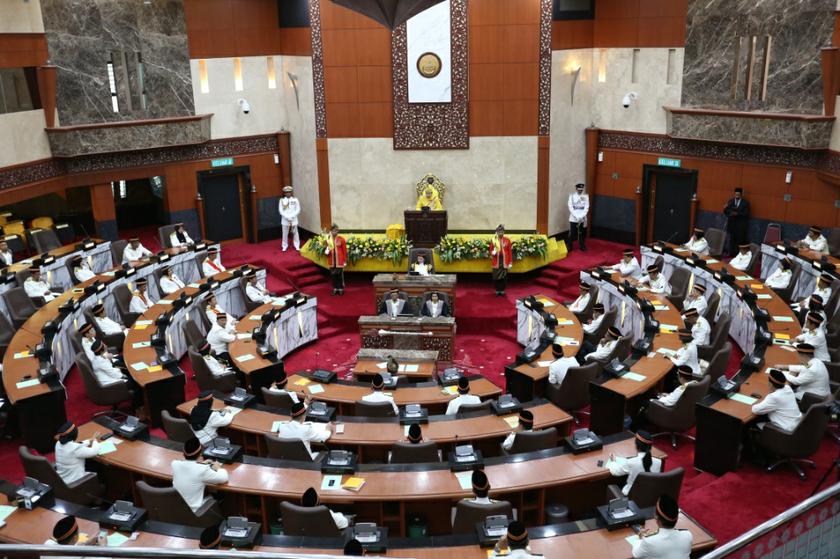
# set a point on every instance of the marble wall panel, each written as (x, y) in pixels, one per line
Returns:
(83, 34)
(804, 134)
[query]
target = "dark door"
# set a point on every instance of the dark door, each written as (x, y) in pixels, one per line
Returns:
(222, 216)
(668, 193)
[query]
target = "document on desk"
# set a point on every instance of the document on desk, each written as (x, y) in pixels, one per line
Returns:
(6, 510)
(232, 410)
(783, 318)
(28, 383)
(543, 363)
(743, 278)
(255, 317)
(763, 296)
(547, 303)
(139, 366)
(665, 328)
(666, 352)
(630, 375)
(116, 539)
(315, 388)
(243, 358)
(743, 399)
(331, 483)
(138, 345)
(107, 447)
(275, 426)
(383, 365)
(632, 540)
(564, 322)
(245, 336)
(512, 421)
(412, 368)
(464, 479)
(143, 323)
(23, 354)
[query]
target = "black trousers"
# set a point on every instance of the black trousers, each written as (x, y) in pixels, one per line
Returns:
(738, 229)
(586, 348)
(577, 232)
(337, 277)
(500, 279)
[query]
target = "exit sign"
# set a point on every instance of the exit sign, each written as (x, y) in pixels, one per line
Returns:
(228, 161)
(668, 162)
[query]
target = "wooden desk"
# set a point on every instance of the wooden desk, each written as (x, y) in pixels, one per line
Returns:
(807, 260)
(423, 333)
(425, 229)
(368, 361)
(57, 273)
(415, 287)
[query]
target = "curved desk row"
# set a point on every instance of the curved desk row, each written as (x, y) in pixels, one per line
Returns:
(809, 261)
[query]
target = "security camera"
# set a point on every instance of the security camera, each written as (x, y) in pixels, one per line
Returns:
(244, 106)
(628, 99)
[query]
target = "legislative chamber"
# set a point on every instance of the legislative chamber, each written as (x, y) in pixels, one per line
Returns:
(419, 278)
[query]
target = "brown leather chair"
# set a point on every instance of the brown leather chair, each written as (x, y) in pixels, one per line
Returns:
(205, 378)
(164, 504)
(677, 419)
(274, 399)
(122, 298)
(113, 340)
(410, 453)
(649, 486)
(192, 333)
(176, 428)
(289, 449)
(200, 257)
(718, 363)
(468, 513)
(112, 395)
(374, 409)
(786, 293)
(7, 332)
(84, 491)
(755, 249)
(717, 240)
(660, 263)
(164, 232)
(717, 337)
(117, 249)
(472, 408)
(308, 521)
(609, 320)
(712, 306)
(834, 242)
(679, 281)
(250, 306)
(45, 240)
(794, 447)
(531, 441)
(572, 395)
(19, 305)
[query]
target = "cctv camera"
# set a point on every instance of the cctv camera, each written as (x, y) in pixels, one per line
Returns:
(244, 106)
(628, 99)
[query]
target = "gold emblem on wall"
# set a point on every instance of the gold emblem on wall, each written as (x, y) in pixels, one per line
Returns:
(429, 65)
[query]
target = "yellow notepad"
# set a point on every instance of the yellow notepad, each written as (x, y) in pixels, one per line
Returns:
(512, 420)
(450, 389)
(302, 382)
(353, 483)
(154, 368)
(141, 327)
(756, 286)
(781, 336)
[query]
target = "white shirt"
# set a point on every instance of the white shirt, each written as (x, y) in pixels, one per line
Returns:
(687, 355)
(778, 279)
(305, 432)
(698, 303)
(781, 408)
(812, 378)
(507, 444)
(219, 338)
(698, 246)
(379, 396)
(579, 304)
(133, 254)
(824, 293)
(108, 326)
(673, 397)
(629, 269)
(593, 325)
(38, 288)
(7, 258)
(659, 285)
(456, 403)
(257, 293)
(171, 284)
(292, 394)
(83, 273)
(87, 343)
(558, 369)
(434, 308)
(701, 331)
(422, 269)
(140, 302)
(289, 209)
(208, 267)
(667, 543)
(631, 467)
(817, 245)
(189, 478)
(394, 308)
(817, 339)
(216, 420)
(216, 368)
(578, 207)
(174, 242)
(210, 313)
(105, 372)
(70, 459)
(340, 520)
(602, 350)
(741, 261)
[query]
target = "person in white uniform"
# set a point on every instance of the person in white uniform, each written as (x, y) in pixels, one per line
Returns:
(219, 337)
(107, 326)
(435, 307)
(205, 422)
(464, 397)
(579, 304)
(741, 261)
(665, 542)
(814, 334)
(516, 542)
(815, 240)
(700, 328)
(560, 366)
(179, 238)
(134, 251)
(289, 207)
(421, 267)
(687, 353)
(629, 266)
(81, 270)
(377, 395)
(697, 299)
(810, 376)
(686, 377)
(780, 278)
(170, 282)
(192, 475)
(780, 406)
(70, 455)
(35, 286)
(526, 425)
(393, 305)
(821, 289)
(217, 368)
(631, 467)
(310, 499)
(104, 370)
(591, 326)
(87, 339)
(588, 352)
(655, 280)
(140, 301)
(212, 265)
(280, 384)
(578, 214)
(7, 257)
(298, 428)
(212, 310)
(255, 292)
(698, 244)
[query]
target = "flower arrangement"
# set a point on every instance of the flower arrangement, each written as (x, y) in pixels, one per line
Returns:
(359, 247)
(452, 248)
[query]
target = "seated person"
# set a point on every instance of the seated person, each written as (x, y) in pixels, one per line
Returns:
(741, 261)
(813, 334)
(560, 366)
(435, 306)
(516, 541)
(779, 406)
(810, 376)
(35, 286)
(665, 541)
(526, 424)
(430, 197)
(698, 244)
(104, 370)
(699, 326)
(66, 532)
(421, 268)
(686, 377)
(589, 351)
(298, 428)
(210, 538)
(697, 299)
(594, 323)
(687, 354)
(629, 266)
(217, 368)
(219, 336)
(81, 269)
(134, 251)
(579, 304)
(481, 488)
(170, 282)
(87, 339)
(815, 240)
(107, 326)
(280, 384)
(378, 384)
(205, 421)
(70, 455)
(463, 397)
(393, 306)
(7, 257)
(815, 306)
(655, 280)
(212, 265)
(255, 292)
(822, 288)
(780, 278)
(140, 301)
(643, 461)
(192, 474)
(179, 237)
(212, 310)
(310, 499)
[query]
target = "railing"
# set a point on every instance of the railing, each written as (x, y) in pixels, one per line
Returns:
(144, 552)
(808, 529)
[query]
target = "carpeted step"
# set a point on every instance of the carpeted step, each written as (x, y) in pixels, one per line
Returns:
(305, 264)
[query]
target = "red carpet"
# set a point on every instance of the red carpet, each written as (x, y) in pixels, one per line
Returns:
(486, 342)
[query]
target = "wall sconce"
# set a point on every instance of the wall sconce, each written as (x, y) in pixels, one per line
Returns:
(575, 75)
(602, 65)
(237, 74)
(203, 83)
(789, 176)
(272, 77)
(600, 156)
(293, 79)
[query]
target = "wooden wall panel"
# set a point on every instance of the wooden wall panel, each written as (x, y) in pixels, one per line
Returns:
(572, 34)
(21, 50)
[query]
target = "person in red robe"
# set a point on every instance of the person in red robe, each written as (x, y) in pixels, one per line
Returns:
(502, 259)
(337, 255)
